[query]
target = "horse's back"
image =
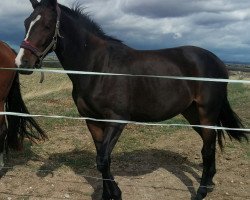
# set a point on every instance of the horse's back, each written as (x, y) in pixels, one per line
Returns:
(187, 60)
(205, 62)
(184, 61)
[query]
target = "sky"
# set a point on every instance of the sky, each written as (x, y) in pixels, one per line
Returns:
(221, 26)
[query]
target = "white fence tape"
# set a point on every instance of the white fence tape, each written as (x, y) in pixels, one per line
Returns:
(130, 75)
(123, 121)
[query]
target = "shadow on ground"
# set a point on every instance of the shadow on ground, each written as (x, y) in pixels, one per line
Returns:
(128, 164)
(14, 158)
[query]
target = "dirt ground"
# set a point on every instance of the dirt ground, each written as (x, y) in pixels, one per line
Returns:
(169, 169)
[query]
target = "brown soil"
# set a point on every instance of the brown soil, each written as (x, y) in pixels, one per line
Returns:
(169, 168)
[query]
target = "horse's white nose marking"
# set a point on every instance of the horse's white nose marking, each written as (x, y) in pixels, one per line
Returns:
(20, 54)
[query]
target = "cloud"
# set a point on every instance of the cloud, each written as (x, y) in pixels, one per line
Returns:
(218, 25)
(179, 8)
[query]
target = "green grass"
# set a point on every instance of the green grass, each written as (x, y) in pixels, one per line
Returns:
(58, 100)
(248, 154)
(53, 97)
(238, 94)
(239, 98)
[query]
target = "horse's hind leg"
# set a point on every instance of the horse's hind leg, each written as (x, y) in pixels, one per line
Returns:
(198, 115)
(208, 117)
(191, 114)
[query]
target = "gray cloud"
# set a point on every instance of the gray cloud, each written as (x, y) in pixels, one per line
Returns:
(179, 8)
(221, 26)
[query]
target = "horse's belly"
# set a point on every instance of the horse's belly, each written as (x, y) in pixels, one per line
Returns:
(156, 113)
(161, 105)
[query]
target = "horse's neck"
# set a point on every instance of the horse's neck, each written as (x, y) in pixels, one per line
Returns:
(76, 47)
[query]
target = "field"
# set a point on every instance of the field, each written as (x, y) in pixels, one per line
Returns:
(149, 163)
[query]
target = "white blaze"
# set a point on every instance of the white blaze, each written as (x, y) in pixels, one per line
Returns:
(21, 52)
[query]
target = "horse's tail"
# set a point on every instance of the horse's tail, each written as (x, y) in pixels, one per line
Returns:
(229, 119)
(20, 127)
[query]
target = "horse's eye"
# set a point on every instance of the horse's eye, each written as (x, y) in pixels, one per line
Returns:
(47, 27)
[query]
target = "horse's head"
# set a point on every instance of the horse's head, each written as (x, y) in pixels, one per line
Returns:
(42, 30)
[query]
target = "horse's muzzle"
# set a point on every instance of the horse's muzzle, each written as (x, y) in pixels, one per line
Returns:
(25, 70)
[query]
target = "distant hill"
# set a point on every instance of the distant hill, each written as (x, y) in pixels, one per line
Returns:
(237, 63)
(51, 61)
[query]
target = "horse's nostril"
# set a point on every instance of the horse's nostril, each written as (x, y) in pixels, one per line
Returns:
(25, 66)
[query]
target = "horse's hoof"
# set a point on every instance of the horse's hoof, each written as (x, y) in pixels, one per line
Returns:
(201, 193)
(112, 198)
(199, 197)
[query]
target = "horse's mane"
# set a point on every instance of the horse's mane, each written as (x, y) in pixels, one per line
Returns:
(78, 13)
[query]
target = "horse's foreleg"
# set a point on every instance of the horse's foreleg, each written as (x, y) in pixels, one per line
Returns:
(105, 138)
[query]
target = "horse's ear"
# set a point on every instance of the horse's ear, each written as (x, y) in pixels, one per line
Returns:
(52, 3)
(34, 3)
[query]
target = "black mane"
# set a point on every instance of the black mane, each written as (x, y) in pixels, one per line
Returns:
(77, 12)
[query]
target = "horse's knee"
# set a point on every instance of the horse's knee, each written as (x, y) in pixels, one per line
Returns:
(103, 163)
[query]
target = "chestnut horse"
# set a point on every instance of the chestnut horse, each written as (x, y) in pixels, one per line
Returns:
(81, 45)
(12, 128)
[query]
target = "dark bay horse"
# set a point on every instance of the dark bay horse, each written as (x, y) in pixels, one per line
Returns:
(13, 129)
(80, 44)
